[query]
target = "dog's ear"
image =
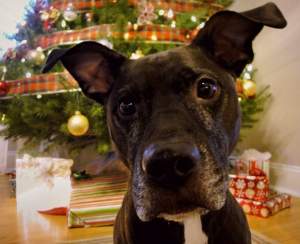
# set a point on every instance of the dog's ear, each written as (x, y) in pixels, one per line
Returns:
(92, 65)
(228, 35)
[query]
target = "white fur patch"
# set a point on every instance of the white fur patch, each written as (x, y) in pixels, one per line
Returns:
(193, 233)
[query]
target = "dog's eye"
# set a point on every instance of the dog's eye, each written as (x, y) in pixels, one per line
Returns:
(206, 88)
(127, 107)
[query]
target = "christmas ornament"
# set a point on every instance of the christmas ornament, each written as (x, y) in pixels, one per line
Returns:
(37, 56)
(249, 88)
(51, 15)
(78, 124)
(146, 13)
(137, 54)
(239, 86)
(70, 13)
(4, 87)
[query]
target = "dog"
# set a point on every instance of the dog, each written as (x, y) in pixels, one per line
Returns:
(174, 118)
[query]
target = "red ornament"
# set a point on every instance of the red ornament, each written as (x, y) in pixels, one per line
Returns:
(4, 87)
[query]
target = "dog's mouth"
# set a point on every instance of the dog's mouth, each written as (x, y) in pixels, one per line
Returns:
(154, 202)
(180, 217)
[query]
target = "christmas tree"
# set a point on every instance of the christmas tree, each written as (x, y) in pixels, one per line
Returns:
(38, 107)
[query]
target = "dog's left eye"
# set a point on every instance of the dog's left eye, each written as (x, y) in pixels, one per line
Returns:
(207, 88)
(127, 107)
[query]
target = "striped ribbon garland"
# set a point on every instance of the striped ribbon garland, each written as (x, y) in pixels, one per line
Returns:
(158, 33)
(42, 84)
(177, 6)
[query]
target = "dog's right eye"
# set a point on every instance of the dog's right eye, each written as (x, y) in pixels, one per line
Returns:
(207, 88)
(127, 107)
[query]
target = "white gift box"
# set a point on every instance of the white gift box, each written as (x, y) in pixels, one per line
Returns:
(42, 183)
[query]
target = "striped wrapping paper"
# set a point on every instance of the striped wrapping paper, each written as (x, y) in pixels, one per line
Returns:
(95, 202)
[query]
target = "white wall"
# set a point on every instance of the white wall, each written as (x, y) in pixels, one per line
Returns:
(7, 155)
(3, 152)
(277, 57)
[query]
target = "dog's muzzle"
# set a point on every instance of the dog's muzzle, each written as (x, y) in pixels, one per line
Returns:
(169, 164)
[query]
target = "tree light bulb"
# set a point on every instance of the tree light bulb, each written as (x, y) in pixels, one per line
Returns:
(194, 18)
(202, 24)
(247, 76)
(173, 24)
(28, 75)
(249, 67)
(154, 37)
(161, 12)
(170, 14)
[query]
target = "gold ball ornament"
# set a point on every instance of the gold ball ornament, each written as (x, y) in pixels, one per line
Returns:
(78, 124)
(249, 88)
(50, 15)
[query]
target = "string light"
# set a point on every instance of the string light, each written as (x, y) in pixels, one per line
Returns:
(173, 24)
(28, 75)
(63, 23)
(247, 76)
(126, 36)
(137, 54)
(154, 37)
(202, 24)
(161, 12)
(170, 14)
(23, 23)
(193, 18)
(249, 67)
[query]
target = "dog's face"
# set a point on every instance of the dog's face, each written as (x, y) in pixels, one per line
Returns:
(174, 116)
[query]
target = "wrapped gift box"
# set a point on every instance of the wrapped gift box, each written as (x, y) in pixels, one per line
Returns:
(265, 209)
(251, 162)
(42, 183)
(96, 201)
(249, 187)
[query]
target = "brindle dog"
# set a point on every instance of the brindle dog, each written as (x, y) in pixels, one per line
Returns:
(174, 118)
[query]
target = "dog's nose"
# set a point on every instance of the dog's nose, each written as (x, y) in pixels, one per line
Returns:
(170, 164)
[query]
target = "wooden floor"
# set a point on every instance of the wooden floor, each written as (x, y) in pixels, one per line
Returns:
(34, 228)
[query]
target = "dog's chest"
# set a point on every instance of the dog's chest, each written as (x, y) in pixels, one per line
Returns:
(193, 233)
